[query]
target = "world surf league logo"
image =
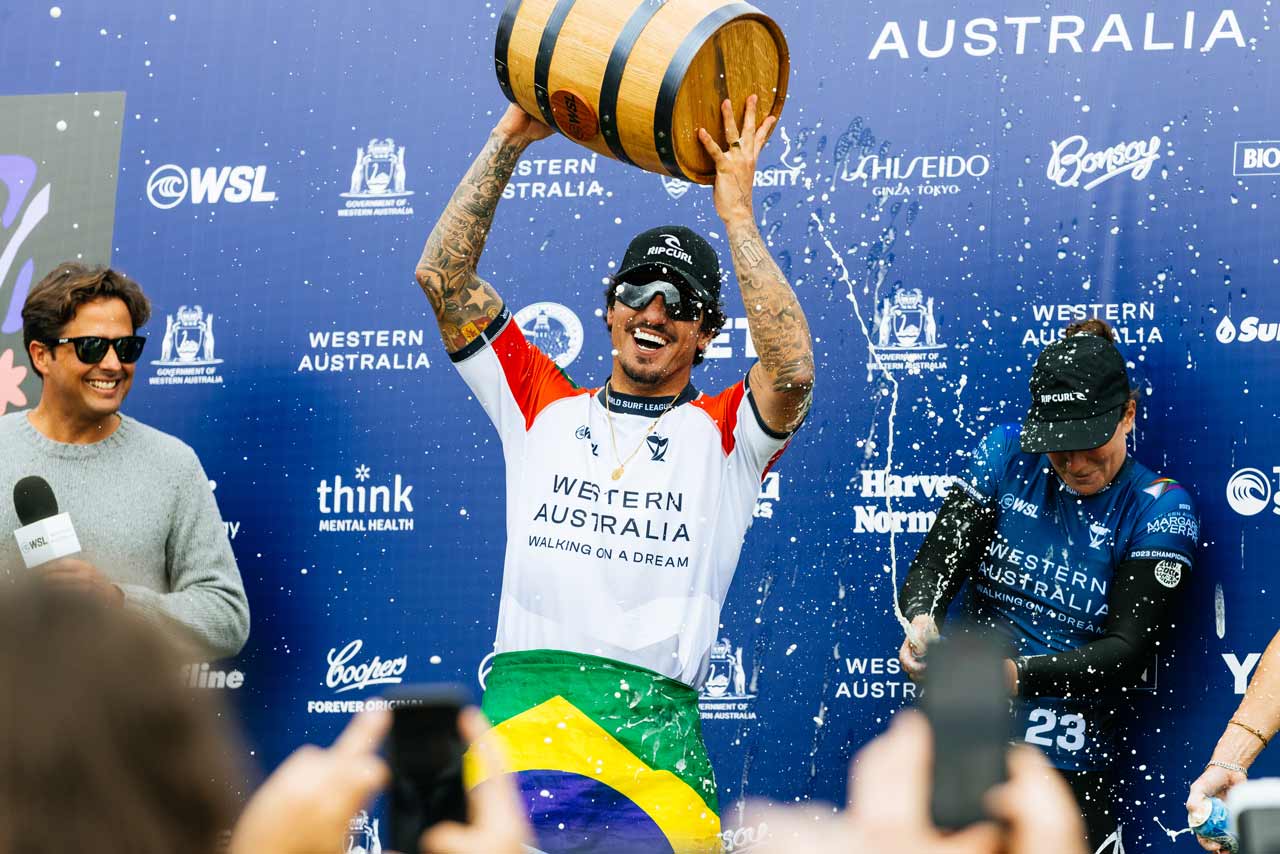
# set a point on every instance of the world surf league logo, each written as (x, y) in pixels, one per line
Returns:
(18, 220)
(377, 186)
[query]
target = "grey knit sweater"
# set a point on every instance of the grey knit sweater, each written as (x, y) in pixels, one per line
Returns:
(145, 516)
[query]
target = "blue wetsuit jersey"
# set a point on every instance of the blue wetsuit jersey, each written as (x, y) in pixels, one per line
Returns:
(1045, 579)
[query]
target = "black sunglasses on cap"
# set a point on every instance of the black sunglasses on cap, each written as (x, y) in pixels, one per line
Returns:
(92, 349)
(679, 305)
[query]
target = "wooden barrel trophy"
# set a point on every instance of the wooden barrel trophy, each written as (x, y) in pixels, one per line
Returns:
(635, 79)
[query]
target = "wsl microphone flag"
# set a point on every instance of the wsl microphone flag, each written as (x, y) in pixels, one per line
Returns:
(45, 534)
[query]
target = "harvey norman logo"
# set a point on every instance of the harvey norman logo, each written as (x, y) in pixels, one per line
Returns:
(170, 185)
(880, 484)
(1074, 164)
(1257, 157)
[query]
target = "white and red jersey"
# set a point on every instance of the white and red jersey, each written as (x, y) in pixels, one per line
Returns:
(634, 569)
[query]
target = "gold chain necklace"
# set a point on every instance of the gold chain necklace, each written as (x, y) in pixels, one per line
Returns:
(613, 438)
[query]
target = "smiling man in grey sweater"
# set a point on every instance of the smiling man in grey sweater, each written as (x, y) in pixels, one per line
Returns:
(150, 531)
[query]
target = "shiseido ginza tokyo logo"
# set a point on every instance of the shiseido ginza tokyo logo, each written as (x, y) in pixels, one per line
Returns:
(170, 185)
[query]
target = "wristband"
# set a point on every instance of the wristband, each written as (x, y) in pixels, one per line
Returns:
(1230, 766)
(1262, 738)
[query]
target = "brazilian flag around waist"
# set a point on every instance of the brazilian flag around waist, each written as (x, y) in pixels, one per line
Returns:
(608, 757)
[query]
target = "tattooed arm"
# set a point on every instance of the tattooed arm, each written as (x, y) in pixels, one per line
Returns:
(464, 303)
(782, 381)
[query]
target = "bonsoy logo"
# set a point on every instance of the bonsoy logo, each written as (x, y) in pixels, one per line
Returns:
(1249, 492)
(170, 185)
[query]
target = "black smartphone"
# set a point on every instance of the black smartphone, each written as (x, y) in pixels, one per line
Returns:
(966, 701)
(425, 754)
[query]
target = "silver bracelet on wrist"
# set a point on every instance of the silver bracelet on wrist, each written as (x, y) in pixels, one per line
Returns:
(1230, 766)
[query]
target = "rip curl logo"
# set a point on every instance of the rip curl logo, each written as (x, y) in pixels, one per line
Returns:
(1063, 397)
(672, 249)
(1072, 161)
(344, 677)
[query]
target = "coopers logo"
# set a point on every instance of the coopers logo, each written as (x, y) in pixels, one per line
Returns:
(170, 185)
(1258, 157)
(344, 676)
(1072, 161)
(1251, 329)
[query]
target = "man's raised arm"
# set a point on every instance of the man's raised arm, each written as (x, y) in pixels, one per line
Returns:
(465, 303)
(782, 381)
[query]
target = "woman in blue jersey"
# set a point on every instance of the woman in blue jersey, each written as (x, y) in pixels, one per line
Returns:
(1073, 551)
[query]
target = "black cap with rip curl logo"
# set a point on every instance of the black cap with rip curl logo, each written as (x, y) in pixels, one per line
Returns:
(1079, 389)
(675, 254)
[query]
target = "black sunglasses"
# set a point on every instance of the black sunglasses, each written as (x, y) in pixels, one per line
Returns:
(679, 304)
(92, 349)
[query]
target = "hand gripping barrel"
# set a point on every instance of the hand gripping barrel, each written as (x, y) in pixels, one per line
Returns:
(635, 79)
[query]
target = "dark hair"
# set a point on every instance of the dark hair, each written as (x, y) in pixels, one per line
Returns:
(1098, 326)
(55, 300)
(105, 749)
(713, 318)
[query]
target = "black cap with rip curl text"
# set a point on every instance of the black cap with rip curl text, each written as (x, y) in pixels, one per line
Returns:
(676, 254)
(1079, 389)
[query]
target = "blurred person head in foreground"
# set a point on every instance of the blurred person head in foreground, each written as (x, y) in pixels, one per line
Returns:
(106, 750)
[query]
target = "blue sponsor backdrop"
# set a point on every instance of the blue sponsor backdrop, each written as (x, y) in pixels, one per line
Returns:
(950, 186)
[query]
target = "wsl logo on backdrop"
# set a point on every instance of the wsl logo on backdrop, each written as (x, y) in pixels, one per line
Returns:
(377, 186)
(362, 506)
(1073, 163)
(1258, 157)
(553, 329)
(1249, 492)
(187, 349)
(170, 185)
(906, 335)
(726, 694)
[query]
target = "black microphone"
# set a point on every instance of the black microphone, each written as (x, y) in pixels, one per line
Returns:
(34, 500)
(45, 534)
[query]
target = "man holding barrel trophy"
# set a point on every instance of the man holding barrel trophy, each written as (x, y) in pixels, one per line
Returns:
(627, 504)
